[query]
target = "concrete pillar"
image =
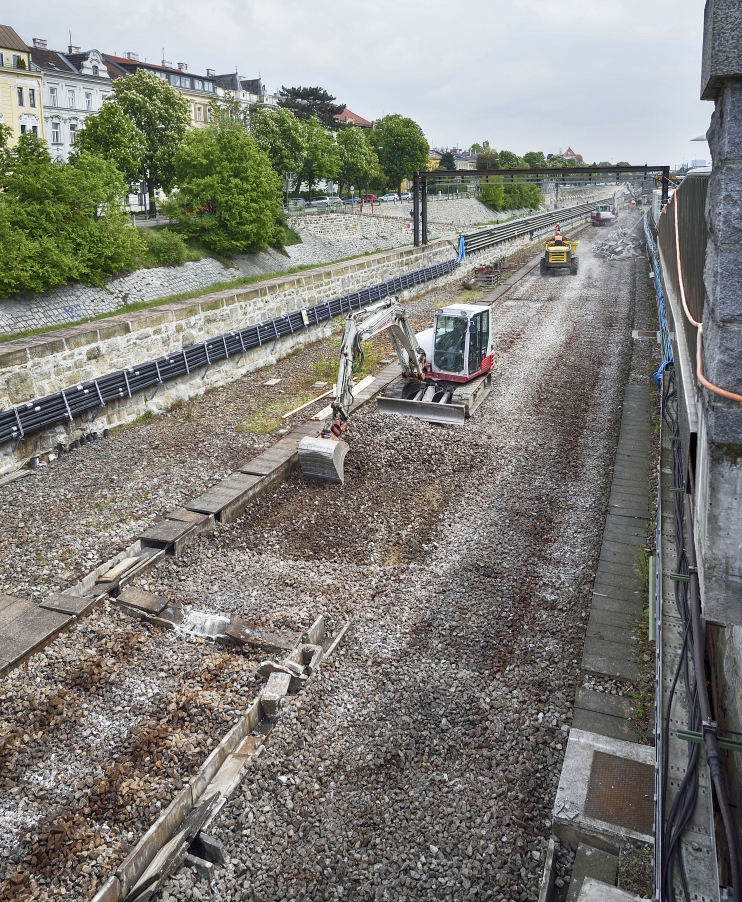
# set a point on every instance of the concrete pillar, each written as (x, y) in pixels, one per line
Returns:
(719, 456)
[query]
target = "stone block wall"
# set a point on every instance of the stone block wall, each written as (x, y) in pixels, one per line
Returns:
(41, 365)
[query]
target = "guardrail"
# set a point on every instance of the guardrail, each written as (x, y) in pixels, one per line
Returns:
(533, 226)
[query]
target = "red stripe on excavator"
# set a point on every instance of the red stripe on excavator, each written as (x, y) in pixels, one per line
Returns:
(487, 363)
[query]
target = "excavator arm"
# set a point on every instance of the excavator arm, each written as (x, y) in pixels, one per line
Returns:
(361, 326)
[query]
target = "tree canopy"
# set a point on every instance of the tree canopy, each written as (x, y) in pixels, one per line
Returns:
(228, 193)
(306, 103)
(162, 117)
(359, 165)
(488, 158)
(111, 134)
(280, 134)
(447, 160)
(401, 147)
(64, 221)
(321, 157)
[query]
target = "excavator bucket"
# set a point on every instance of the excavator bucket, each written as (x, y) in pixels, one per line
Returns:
(431, 411)
(322, 459)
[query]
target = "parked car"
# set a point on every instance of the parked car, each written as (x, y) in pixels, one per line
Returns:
(296, 202)
(405, 195)
(352, 200)
(389, 198)
(324, 201)
(369, 198)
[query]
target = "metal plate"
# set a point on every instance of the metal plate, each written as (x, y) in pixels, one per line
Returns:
(424, 410)
(621, 792)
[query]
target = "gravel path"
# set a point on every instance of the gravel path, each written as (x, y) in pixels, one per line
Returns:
(423, 762)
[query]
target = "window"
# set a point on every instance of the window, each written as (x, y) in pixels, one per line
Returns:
(73, 132)
(71, 98)
(199, 85)
(450, 340)
(88, 100)
(23, 129)
(199, 113)
(18, 62)
(56, 133)
(20, 97)
(95, 70)
(2, 59)
(32, 97)
(35, 130)
(175, 81)
(52, 96)
(103, 98)
(479, 333)
(210, 114)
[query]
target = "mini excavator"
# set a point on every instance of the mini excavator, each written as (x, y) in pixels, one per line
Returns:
(446, 374)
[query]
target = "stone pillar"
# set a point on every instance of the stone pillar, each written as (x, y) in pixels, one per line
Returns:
(719, 470)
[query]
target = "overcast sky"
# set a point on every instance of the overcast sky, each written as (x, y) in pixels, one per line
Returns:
(613, 79)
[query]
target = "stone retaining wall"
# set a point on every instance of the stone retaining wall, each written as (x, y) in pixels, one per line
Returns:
(41, 365)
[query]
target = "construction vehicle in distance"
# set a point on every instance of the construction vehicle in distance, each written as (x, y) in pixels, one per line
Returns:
(559, 254)
(446, 374)
(604, 215)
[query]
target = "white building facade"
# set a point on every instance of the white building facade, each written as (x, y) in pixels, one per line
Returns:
(74, 84)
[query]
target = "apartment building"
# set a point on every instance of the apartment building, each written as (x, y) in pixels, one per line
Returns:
(75, 84)
(21, 102)
(199, 90)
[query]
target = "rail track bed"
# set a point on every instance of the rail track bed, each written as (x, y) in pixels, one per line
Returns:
(422, 761)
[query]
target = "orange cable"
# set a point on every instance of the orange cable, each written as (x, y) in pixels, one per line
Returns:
(699, 327)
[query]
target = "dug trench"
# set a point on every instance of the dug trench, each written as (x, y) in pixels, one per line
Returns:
(423, 763)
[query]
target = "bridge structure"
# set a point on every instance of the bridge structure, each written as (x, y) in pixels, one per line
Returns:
(577, 177)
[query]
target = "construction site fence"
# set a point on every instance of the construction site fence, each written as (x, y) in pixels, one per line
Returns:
(688, 205)
(530, 226)
(91, 397)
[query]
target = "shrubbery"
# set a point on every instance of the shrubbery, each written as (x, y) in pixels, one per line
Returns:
(165, 248)
(58, 221)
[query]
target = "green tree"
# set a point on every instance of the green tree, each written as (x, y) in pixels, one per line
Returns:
(509, 160)
(111, 134)
(227, 110)
(623, 163)
(280, 134)
(308, 103)
(604, 163)
(402, 148)
(488, 159)
(358, 162)
(228, 194)
(493, 196)
(321, 157)
(535, 159)
(447, 160)
(63, 221)
(162, 117)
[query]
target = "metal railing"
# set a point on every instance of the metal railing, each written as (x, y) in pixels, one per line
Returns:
(531, 226)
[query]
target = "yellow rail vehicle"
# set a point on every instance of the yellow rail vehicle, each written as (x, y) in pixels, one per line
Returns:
(559, 255)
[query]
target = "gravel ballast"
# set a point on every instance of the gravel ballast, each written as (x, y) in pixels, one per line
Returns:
(422, 761)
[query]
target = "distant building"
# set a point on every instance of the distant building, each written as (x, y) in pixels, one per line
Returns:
(465, 159)
(248, 92)
(199, 90)
(569, 154)
(74, 84)
(21, 101)
(434, 159)
(349, 118)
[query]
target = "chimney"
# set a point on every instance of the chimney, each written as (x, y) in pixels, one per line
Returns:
(72, 49)
(211, 73)
(183, 67)
(39, 43)
(134, 57)
(168, 63)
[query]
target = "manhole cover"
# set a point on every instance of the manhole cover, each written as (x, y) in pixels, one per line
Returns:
(621, 792)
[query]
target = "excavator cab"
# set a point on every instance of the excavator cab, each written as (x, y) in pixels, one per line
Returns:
(458, 345)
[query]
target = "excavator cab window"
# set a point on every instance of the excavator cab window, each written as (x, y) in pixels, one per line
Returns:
(450, 344)
(479, 337)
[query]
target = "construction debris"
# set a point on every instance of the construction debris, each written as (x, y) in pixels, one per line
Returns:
(621, 244)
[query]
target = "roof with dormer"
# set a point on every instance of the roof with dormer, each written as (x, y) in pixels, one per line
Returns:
(347, 117)
(10, 38)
